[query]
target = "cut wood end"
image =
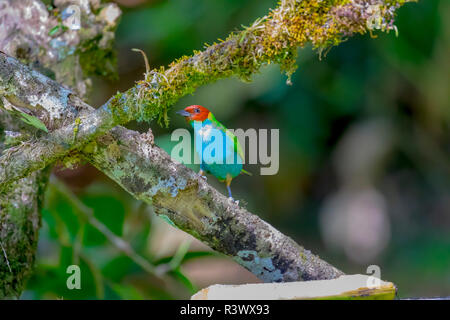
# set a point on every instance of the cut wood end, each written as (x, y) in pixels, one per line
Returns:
(347, 287)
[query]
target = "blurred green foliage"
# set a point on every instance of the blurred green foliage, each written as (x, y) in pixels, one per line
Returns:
(108, 272)
(326, 121)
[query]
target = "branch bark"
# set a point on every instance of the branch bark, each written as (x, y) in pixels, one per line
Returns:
(20, 221)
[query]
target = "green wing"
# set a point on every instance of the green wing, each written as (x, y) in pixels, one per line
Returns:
(218, 125)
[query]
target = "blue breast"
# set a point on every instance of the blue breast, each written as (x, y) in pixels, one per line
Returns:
(216, 150)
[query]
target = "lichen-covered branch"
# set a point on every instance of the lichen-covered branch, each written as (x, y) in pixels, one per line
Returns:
(19, 226)
(40, 33)
(348, 287)
(176, 192)
(271, 39)
(149, 174)
(20, 219)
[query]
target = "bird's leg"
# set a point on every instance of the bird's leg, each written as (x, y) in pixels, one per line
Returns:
(228, 183)
(202, 174)
(229, 192)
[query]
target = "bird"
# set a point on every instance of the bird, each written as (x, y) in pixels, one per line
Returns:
(224, 163)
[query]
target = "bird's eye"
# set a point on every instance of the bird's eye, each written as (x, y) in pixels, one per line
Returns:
(197, 110)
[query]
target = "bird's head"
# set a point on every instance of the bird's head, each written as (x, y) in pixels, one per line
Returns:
(194, 113)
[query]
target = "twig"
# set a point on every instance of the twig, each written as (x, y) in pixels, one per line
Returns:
(6, 257)
(147, 65)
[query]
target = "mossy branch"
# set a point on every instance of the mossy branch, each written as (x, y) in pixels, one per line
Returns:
(271, 39)
(20, 218)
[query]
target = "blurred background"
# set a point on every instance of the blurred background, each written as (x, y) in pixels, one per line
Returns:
(364, 173)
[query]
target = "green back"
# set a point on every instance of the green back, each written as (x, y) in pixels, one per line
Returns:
(218, 125)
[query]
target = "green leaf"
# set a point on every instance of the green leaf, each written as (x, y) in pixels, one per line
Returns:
(53, 30)
(167, 219)
(110, 211)
(184, 280)
(117, 268)
(126, 292)
(179, 255)
(33, 121)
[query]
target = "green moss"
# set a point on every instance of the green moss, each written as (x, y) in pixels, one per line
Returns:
(72, 160)
(91, 147)
(114, 150)
(76, 128)
(303, 257)
(119, 104)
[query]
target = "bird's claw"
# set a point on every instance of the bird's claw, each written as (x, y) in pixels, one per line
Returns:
(233, 200)
(202, 174)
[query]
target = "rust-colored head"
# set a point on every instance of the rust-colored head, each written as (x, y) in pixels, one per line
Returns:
(194, 113)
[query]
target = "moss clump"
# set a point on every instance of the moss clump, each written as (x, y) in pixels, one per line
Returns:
(122, 105)
(72, 160)
(95, 60)
(114, 150)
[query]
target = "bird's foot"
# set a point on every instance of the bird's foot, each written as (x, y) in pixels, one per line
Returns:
(233, 200)
(202, 174)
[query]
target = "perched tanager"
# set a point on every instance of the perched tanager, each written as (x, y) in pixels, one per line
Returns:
(218, 148)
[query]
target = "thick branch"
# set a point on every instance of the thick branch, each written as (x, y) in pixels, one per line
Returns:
(149, 174)
(273, 38)
(20, 221)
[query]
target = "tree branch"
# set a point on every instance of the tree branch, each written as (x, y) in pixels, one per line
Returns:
(271, 39)
(20, 221)
(149, 174)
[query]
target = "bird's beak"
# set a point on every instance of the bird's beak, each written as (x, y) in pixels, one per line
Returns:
(184, 113)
